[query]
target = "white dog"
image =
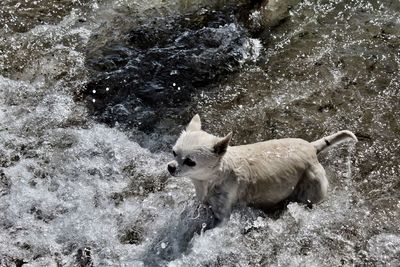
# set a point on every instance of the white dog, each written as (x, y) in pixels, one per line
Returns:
(261, 174)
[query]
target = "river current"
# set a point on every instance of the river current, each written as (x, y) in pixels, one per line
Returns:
(93, 94)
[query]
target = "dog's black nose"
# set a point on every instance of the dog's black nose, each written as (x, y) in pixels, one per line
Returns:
(171, 168)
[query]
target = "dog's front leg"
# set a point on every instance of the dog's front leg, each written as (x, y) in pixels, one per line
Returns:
(220, 206)
(221, 199)
(201, 189)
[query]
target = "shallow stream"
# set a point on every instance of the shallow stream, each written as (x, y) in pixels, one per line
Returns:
(93, 94)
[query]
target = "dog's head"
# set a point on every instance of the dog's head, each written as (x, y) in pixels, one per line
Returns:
(197, 154)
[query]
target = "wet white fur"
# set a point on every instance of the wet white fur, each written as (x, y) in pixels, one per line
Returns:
(260, 174)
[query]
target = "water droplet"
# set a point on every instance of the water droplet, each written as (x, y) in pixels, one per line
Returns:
(174, 84)
(107, 89)
(93, 100)
(94, 91)
(163, 245)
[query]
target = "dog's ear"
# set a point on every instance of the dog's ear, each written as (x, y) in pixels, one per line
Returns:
(221, 146)
(194, 124)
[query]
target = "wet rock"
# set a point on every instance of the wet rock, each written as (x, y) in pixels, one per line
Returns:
(154, 73)
(19, 262)
(117, 198)
(39, 214)
(4, 159)
(14, 157)
(84, 258)
(131, 236)
(5, 184)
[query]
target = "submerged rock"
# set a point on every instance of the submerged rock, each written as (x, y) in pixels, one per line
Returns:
(156, 70)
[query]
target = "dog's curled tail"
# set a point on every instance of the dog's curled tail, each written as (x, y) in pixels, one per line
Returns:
(325, 142)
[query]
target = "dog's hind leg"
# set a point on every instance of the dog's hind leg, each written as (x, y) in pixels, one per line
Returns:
(313, 187)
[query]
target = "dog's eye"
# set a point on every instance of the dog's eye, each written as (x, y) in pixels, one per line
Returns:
(189, 162)
(174, 153)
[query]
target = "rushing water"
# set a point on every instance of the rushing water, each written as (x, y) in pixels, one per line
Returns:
(94, 93)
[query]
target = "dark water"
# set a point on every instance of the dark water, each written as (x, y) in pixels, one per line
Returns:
(84, 183)
(153, 74)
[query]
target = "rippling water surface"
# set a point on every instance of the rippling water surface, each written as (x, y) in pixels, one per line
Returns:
(94, 93)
